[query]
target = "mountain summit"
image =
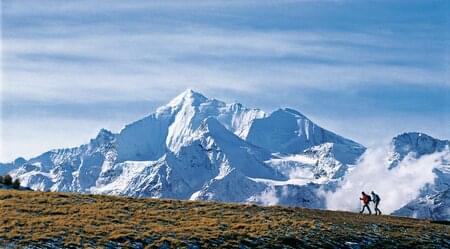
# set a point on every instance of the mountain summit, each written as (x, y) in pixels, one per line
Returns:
(288, 131)
(199, 148)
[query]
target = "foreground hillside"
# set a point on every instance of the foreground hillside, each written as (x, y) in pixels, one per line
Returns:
(55, 220)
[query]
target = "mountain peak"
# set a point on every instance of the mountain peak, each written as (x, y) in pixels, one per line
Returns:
(411, 134)
(415, 139)
(415, 142)
(188, 96)
(288, 131)
(191, 93)
(103, 136)
(104, 133)
(290, 111)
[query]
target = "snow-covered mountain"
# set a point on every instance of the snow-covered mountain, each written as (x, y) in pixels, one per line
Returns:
(195, 147)
(204, 149)
(434, 199)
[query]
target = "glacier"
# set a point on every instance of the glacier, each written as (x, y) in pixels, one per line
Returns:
(201, 148)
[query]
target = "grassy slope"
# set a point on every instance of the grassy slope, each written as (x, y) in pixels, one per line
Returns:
(71, 220)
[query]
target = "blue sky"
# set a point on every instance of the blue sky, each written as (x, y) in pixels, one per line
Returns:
(367, 70)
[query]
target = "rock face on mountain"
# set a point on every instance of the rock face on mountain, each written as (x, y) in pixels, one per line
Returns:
(204, 149)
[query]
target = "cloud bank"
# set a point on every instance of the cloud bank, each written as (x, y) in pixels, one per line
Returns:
(396, 187)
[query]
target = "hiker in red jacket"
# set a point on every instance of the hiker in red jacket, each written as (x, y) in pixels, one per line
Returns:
(365, 200)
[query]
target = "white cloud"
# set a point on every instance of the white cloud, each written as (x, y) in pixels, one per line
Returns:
(396, 187)
(97, 66)
(156, 57)
(268, 197)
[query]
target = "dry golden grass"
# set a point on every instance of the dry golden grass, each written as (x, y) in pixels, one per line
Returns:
(74, 220)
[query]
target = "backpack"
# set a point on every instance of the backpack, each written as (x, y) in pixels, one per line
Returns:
(376, 198)
(369, 198)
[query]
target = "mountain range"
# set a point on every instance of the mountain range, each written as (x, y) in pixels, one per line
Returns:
(199, 148)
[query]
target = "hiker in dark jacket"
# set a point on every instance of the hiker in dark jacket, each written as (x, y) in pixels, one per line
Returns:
(376, 200)
(365, 200)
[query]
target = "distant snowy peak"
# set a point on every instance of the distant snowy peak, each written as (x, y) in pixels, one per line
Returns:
(189, 97)
(190, 108)
(288, 131)
(434, 199)
(420, 143)
(103, 137)
(414, 144)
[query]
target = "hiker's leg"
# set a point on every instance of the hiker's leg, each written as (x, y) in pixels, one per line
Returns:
(370, 211)
(364, 208)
